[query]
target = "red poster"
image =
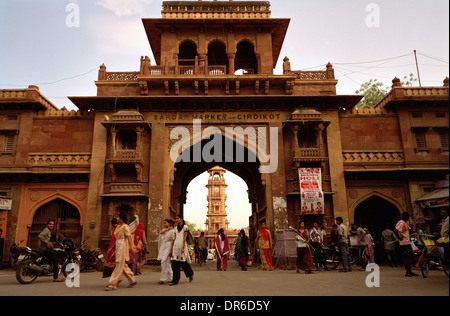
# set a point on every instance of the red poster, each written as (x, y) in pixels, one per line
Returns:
(311, 195)
(3, 222)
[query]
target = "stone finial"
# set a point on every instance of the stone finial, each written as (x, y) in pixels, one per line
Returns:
(396, 82)
(330, 71)
(446, 82)
(102, 72)
(286, 66)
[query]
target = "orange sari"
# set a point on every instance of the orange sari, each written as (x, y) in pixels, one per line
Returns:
(264, 239)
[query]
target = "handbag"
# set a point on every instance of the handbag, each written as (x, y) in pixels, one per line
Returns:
(107, 271)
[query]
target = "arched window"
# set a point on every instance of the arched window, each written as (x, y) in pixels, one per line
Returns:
(187, 53)
(217, 54)
(246, 58)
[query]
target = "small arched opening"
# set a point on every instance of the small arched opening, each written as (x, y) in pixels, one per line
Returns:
(217, 55)
(187, 53)
(375, 213)
(246, 60)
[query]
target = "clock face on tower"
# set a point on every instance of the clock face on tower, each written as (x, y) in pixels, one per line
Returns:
(216, 189)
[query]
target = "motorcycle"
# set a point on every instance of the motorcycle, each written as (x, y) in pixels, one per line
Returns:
(36, 264)
(17, 254)
(91, 259)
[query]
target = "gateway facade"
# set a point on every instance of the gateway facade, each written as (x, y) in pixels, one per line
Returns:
(214, 63)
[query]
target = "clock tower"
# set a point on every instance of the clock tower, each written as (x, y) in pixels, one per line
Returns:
(217, 215)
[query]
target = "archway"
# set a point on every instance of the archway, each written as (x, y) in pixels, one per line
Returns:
(66, 217)
(374, 214)
(218, 201)
(247, 169)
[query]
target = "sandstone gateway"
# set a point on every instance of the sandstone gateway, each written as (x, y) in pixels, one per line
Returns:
(214, 63)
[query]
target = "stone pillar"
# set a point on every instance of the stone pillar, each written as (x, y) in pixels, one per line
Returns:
(158, 205)
(276, 184)
(336, 165)
(92, 225)
(231, 58)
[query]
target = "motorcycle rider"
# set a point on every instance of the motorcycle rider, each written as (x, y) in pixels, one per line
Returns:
(45, 245)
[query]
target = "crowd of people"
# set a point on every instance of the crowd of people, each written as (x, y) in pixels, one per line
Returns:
(128, 249)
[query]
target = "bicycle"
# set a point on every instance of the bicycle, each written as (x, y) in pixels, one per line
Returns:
(333, 256)
(430, 256)
(443, 242)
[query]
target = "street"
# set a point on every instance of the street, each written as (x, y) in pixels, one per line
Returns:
(234, 282)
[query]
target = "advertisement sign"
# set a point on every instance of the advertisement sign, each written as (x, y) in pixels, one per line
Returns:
(311, 194)
(5, 204)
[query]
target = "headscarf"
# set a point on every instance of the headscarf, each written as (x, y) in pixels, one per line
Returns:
(226, 248)
(264, 233)
(139, 233)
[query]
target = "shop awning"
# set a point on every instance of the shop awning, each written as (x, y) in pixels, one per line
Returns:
(437, 198)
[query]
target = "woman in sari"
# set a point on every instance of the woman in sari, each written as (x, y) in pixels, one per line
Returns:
(164, 245)
(222, 250)
(140, 241)
(264, 243)
(304, 259)
(124, 242)
(369, 245)
(242, 249)
(110, 260)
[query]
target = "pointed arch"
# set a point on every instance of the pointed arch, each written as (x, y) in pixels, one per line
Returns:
(374, 211)
(66, 215)
(371, 194)
(184, 171)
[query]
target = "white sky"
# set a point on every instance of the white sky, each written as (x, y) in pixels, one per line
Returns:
(37, 47)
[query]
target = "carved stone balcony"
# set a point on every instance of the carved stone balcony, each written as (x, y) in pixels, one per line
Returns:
(307, 155)
(125, 157)
(126, 188)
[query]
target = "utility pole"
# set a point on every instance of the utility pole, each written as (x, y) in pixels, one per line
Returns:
(417, 66)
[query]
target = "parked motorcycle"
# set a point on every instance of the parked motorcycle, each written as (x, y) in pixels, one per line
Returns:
(91, 259)
(17, 254)
(36, 264)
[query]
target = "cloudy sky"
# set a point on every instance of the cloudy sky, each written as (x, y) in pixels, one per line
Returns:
(46, 43)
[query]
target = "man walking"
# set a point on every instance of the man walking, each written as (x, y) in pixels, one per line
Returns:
(343, 245)
(315, 236)
(405, 243)
(202, 248)
(388, 240)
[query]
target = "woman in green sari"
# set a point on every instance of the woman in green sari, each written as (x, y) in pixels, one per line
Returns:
(243, 248)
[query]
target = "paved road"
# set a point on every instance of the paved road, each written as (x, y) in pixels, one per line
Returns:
(254, 282)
